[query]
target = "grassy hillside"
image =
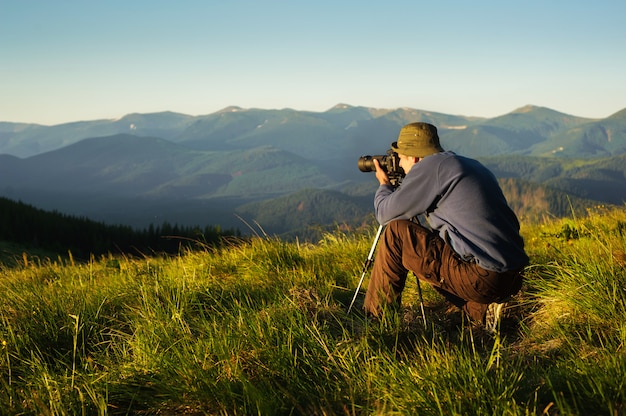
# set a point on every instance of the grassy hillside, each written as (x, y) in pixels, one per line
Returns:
(260, 327)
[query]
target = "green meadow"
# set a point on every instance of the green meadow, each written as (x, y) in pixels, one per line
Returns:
(260, 327)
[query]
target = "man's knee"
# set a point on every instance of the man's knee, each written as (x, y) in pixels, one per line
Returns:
(395, 227)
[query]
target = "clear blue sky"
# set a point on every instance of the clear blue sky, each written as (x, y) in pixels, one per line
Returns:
(64, 61)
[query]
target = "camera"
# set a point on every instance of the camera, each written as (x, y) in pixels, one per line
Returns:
(390, 164)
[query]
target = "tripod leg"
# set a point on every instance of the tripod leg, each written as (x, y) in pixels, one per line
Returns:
(366, 265)
(419, 293)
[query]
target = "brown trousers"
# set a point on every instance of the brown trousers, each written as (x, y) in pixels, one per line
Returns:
(406, 245)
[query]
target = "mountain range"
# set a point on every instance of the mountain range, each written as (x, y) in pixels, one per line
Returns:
(289, 170)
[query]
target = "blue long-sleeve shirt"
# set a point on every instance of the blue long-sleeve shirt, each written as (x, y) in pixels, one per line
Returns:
(462, 200)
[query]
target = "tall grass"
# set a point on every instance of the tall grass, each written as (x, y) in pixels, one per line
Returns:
(260, 327)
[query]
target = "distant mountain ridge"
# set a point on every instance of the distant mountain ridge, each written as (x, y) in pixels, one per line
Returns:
(528, 130)
(255, 164)
(127, 165)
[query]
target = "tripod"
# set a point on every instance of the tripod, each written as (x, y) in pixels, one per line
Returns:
(367, 264)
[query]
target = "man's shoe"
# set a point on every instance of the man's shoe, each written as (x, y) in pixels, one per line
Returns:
(492, 317)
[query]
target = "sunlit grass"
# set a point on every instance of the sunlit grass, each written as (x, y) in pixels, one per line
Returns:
(260, 327)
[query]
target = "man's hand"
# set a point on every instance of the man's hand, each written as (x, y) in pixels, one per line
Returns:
(381, 175)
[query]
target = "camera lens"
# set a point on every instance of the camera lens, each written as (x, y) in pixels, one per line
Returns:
(366, 164)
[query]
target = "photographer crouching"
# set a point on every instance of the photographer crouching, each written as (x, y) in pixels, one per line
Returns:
(470, 251)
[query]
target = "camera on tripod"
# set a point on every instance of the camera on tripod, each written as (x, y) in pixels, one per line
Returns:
(390, 164)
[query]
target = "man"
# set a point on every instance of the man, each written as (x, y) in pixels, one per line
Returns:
(471, 252)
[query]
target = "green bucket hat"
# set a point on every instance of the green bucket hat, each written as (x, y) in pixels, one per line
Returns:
(417, 140)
